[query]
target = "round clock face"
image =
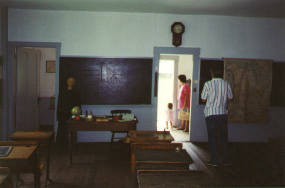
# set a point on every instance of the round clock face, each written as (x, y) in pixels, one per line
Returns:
(178, 28)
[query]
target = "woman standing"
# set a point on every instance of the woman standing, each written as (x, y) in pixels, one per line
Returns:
(184, 102)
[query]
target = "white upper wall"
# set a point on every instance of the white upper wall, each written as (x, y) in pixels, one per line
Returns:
(135, 34)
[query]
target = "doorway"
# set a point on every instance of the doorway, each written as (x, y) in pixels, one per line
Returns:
(169, 63)
(166, 90)
(35, 88)
(31, 83)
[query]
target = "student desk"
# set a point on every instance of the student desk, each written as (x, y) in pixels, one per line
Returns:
(42, 138)
(73, 126)
(150, 137)
(150, 140)
(20, 157)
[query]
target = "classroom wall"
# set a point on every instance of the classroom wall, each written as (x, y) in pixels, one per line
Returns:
(1, 108)
(1, 31)
(113, 34)
(3, 54)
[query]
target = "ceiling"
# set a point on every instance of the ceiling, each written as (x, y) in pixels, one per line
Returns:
(251, 8)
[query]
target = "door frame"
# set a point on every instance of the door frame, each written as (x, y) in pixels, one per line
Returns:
(9, 75)
(194, 84)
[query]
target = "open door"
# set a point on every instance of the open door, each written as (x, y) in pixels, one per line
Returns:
(168, 64)
(27, 89)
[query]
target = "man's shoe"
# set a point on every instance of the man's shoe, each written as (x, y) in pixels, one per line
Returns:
(212, 164)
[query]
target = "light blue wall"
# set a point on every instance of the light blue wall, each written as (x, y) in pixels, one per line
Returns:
(136, 34)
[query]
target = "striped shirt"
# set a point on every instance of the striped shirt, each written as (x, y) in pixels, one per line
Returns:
(216, 92)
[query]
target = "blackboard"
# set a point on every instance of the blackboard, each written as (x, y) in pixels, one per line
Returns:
(205, 66)
(109, 81)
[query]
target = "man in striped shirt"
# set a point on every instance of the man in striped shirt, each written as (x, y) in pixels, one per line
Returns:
(216, 94)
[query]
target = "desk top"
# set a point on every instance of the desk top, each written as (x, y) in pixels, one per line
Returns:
(83, 125)
(29, 135)
(20, 153)
(150, 136)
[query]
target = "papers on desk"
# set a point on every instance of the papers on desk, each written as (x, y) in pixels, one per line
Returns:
(5, 150)
(128, 117)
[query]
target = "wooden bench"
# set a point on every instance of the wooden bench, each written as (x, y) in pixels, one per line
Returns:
(171, 179)
(159, 156)
(43, 138)
(23, 158)
(162, 159)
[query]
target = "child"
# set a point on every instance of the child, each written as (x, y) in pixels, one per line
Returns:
(169, 115)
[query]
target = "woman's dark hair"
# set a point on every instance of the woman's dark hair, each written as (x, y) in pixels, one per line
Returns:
(170, 106)
(182, 78)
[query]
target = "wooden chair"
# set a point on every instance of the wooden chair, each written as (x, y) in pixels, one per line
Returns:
(113, 112)
(25, 168)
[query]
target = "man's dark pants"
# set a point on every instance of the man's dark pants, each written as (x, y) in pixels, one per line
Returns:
(217, 126)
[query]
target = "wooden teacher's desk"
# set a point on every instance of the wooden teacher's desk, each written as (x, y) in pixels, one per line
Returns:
(82, 125)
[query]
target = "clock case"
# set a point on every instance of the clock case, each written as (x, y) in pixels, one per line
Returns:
(177, 37)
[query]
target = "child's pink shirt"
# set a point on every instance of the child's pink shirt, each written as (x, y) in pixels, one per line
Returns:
(169, 115)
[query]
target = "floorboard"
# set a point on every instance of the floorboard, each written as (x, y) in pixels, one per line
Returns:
(104, 166)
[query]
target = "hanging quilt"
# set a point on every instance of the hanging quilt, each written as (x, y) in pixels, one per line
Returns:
(251, 82)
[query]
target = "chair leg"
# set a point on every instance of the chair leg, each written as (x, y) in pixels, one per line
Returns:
(112, 138)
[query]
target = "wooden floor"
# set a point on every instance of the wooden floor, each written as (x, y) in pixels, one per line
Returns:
(180, 135)
(100, 165)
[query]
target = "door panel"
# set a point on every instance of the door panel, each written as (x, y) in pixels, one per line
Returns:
(27, 89)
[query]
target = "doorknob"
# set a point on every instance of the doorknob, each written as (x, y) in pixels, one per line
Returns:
(194, 89)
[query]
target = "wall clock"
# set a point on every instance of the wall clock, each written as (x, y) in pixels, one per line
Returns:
(177, 29)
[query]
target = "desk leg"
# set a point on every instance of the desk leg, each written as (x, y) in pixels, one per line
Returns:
(37, 172)
(70, 136)
(133, 162)
(48, 179)
(14, 179)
